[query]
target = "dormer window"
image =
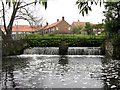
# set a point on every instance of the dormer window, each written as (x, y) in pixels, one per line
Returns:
(68, 28)
(56, 28)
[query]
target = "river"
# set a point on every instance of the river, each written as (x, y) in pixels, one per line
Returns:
(60, 71)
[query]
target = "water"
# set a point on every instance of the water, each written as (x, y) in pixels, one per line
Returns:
(55, 71)
(71, 51)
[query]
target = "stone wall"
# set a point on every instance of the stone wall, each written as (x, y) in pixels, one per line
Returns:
(112, 50)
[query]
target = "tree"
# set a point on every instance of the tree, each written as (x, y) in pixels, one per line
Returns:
(88, 28)
(77, 29)
(16, 6)
(98, 27)
(80, 27)
(112, 14)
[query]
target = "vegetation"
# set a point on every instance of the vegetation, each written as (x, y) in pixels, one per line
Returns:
(13, 47)
(112, 21)
(59, 36)
(71, 43)
(19, 11)
(76, 30)
(112, 14)
(35, 40)
(88, 28)
(99, 27)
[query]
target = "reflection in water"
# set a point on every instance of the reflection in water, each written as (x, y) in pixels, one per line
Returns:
(60, 72)
(63, 60)
(111, 73)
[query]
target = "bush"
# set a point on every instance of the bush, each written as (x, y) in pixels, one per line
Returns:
(72, 43)
(51, 34)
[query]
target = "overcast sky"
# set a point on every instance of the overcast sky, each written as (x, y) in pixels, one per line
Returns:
(67, 8)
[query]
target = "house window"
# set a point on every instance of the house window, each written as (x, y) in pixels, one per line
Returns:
(56, 28)
(13, 32)
(53, 29)
(68, 28)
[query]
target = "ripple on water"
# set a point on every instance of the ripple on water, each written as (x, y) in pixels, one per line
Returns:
(47, 71)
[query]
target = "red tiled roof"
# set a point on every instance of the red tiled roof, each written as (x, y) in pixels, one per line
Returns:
(52, 25)
(23, 28)
(42, 27)
(81, 23)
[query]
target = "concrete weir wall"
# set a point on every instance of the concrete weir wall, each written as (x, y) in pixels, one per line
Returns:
(112, 50)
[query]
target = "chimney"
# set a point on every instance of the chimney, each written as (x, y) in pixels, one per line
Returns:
(63, 18)
(41, 25)
(57, 20)
(47, 23)
(78, 20)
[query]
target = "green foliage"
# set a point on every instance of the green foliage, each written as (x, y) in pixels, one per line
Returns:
(80, 27)
(13, 47)
(72, 43)
(86, 5)
(78, 40)
(116, 39)
(88, 28)
(112, 14)
(59, 36)
(75, 30)
(51, 34)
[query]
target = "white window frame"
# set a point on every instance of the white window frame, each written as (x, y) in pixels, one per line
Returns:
(57, 28)
(69, 28)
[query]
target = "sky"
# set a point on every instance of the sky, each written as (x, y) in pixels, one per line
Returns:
(56, 9)
(67, 8)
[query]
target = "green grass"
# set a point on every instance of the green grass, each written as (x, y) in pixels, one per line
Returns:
(59, 36)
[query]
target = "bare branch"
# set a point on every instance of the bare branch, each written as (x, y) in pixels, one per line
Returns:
(26, 5)
(4, 16)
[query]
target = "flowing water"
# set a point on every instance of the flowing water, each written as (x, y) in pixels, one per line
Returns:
(35, 70)
(71, 51)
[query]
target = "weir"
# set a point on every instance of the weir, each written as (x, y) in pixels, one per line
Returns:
(71, 51)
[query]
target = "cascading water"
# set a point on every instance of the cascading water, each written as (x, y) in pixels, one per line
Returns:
(83, 67)
(71, 51)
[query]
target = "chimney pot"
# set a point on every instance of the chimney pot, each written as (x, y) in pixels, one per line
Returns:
(63, 18)
(57, 20)
(41, 25)
(47, 23)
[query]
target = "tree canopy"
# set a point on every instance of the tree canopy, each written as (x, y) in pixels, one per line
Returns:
(88, 28)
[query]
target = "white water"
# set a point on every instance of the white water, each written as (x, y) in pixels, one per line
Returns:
(71, 51)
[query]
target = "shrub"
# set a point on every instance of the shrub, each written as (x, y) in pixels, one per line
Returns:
(72, 43)
(51, 34)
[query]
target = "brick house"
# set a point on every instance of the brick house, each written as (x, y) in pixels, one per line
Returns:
(59, 27)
